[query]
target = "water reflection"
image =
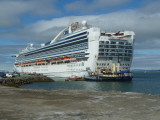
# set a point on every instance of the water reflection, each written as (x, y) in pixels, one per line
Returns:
(82, 85)
(117, 86)
(142, 82)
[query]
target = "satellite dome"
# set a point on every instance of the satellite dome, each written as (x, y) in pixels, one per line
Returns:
(42, 45)
(84, 22)
(31, 45)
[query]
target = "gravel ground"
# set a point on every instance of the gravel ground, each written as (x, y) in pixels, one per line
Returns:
(24, 104)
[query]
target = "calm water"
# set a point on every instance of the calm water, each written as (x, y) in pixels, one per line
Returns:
(142, 83)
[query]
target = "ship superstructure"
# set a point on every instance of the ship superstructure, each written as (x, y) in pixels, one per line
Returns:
(79, 50)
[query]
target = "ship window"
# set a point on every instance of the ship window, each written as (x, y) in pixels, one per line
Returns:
(100, 46)
(106, 46)
(121, 43)
(82, 64)
(101, 42)
(106, 54)
(110, 58)
(107, 50)
(101, 50)
(101, 54)
(113, 42)
(103, 64)
(102, 34)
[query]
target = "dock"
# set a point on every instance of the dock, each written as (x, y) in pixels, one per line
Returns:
(28, 104)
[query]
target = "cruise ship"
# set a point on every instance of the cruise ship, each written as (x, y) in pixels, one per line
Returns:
(79, 51)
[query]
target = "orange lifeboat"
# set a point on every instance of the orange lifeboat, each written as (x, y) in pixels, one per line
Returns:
(41, 61)
(28, 63)
(67, 58)
(53, 59)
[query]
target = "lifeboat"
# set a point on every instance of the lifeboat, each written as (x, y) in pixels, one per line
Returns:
(60, 58)
(67, 58)
(53, 59)
(27, 63)
(41, 61)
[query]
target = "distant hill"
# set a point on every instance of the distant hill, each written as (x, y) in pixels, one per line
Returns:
(3, 71)
(142, 70)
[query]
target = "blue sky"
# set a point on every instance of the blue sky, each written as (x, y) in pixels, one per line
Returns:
(38, 21)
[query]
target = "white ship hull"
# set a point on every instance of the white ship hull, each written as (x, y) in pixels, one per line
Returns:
(79, 52)
(56, 72)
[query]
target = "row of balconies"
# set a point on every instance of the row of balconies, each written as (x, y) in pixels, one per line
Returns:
(114, 51)
(115, 47)
(114, 54)
(48, 53)
(114, 43)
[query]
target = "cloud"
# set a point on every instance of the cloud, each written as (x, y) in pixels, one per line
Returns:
(7, 67)
(6, 51)
(10, 49)
(42, 31)
(145, 26)
(143, 22)
(146, 60)
(10, 11)
(84, 6)
(151, 7)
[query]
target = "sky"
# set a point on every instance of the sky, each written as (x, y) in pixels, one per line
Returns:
(38, 21)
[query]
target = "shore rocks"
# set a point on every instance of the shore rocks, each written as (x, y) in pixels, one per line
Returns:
(24, 79)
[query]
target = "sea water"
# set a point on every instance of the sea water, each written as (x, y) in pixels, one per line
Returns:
(142, 83)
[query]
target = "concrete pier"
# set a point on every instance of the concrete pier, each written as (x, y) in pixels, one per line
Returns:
(24, 104)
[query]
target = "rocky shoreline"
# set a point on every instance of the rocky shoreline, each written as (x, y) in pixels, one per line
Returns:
(24, 79)
(25, 104)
